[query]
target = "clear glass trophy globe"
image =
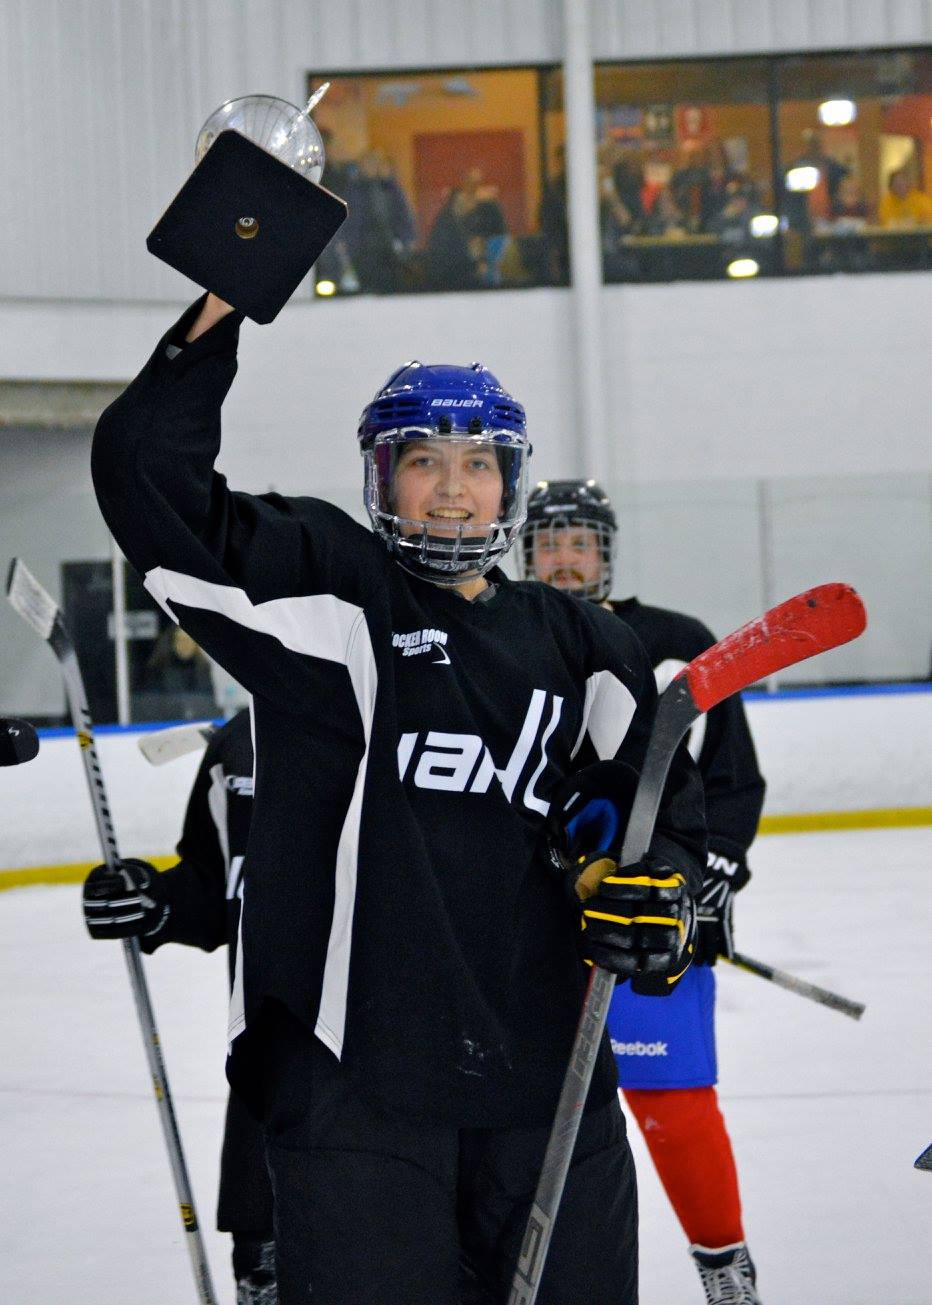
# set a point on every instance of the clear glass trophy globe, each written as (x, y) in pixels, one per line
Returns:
(284, 130)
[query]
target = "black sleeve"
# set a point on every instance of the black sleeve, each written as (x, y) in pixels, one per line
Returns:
(214, 559)
(680, 829)
(734, 786)
(196, 886)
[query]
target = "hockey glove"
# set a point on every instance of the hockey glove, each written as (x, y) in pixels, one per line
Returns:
(639, 922)
(726, 874)
(126, 903)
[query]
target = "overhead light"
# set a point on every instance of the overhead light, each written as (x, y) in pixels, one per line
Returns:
(803, 178)
(764, 224)
(739, 269)
(837, 113)
(325, 289)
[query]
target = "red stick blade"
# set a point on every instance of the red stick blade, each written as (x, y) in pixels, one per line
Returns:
(811, 623)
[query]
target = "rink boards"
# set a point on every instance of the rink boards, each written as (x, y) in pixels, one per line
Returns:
(833, 760)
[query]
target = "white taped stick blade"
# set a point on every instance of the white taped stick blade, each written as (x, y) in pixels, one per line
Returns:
(162, 746)
(29, 599)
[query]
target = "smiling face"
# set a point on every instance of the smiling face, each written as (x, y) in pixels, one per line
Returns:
(450, 483)
(567, 557)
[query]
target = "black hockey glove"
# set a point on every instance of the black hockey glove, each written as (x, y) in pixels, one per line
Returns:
(125, 903)
(639, 922)
(726, 874)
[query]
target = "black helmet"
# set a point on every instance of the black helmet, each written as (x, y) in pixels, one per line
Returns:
(559, 504)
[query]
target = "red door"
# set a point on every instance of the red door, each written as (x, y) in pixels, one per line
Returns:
(444, 159)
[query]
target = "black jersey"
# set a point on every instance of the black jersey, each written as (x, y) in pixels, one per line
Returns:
(398, 893)
(204, 892)
(720, 741)
(204, 889)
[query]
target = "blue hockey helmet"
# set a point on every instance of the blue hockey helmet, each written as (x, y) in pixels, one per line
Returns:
(467, 409)
(573, 506)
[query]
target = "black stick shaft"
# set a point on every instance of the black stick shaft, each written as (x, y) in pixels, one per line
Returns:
(802, 987)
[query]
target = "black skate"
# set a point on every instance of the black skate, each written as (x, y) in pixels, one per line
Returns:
(727, 1274)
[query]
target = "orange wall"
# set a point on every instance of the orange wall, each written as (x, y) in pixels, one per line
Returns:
(506, 100)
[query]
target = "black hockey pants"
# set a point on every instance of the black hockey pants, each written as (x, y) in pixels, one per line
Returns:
(373, 1210)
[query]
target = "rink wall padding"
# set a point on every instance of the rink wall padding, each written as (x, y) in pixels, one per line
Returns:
(833, 759)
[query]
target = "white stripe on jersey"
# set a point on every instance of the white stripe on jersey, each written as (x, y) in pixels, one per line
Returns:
(664, 673)
(608, 711)
(318, 625)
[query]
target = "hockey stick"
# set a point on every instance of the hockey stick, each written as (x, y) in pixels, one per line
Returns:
(802, 987)
(40, 611)
(161, 746)
(924, 1161)
(810, 623)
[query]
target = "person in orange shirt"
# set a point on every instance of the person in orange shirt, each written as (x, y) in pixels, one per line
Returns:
(904, 205)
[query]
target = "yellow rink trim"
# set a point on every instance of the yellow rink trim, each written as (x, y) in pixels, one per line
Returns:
(875, 818)
(64, 874)
(802, 823)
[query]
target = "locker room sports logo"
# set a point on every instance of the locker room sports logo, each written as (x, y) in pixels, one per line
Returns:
(417, 642)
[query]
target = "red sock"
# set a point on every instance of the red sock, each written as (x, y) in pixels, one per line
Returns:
(686, 1136)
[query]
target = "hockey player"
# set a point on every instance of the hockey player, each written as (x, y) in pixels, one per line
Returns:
(198, 902)
(411, 974)
(665, 1051)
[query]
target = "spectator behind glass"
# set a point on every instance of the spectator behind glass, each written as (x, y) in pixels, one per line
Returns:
(335, 263)
(665, 218)
(732, 223)
(851, 211)
(904, 205)
(176, 681)
(449, 260)
(486, 222)
(379, 227)
(627, 174)
(554, 223)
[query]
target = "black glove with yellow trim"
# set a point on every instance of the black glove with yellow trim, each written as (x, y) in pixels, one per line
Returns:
(638, 921)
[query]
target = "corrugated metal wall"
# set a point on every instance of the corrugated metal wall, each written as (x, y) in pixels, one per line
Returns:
(100, 100)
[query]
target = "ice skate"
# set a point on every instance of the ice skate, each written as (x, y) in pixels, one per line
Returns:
(728, 1276)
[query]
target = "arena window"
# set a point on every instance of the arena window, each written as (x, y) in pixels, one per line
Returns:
(446, 176)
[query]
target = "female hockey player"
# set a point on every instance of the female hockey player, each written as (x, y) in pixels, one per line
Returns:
(665, 1051)
(411, 972)
(197, 902)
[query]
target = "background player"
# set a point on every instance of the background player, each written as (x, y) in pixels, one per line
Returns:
(198, 902)
(410, 974)
(665, 1051)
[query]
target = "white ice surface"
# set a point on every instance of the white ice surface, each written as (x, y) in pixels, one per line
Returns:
(826, 1115)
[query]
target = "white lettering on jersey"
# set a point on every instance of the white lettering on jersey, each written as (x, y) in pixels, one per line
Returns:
(639, 1048)
(449, 761)
(416, 642)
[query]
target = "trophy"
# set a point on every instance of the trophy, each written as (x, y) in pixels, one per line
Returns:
(251, 220)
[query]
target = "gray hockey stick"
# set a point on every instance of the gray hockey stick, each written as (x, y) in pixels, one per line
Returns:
(803, 626)
(40, 611)
(802, 987)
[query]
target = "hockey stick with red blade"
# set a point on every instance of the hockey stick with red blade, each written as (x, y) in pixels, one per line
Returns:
(802, 987)
(40, 611)
(811, 623)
